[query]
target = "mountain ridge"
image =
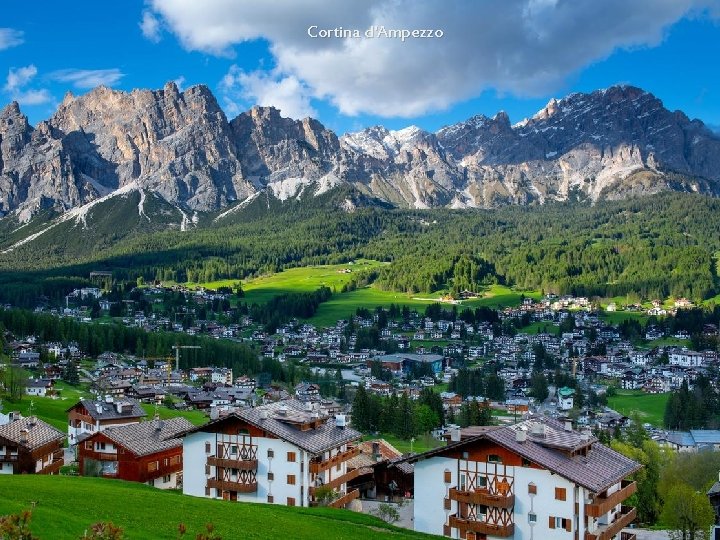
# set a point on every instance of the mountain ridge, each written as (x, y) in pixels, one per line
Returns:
(608, 144)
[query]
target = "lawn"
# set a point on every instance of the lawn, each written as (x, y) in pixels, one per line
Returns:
(52, 411)
(421, 444)
(651, 407)
(541, 327)
(500, 296)
(616, 317)
(197, 418)
(66, 506)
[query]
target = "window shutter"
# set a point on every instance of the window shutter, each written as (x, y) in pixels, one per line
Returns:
(552, 522)
(568, 525)
(448, 477)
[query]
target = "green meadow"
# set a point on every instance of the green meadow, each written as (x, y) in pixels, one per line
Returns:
(65, 507)
(650, 407)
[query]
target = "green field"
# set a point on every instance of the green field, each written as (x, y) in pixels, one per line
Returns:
(65, 507)
(541, 327)
(651, 407)
(422, 443)
(197, 418)
(616, 317)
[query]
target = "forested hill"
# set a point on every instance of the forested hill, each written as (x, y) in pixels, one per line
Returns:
(654, 246)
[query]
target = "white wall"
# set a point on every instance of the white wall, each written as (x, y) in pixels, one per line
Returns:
(430, 492)
(543, 504)
(194, 460)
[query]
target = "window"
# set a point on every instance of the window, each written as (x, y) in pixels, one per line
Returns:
(207, 447)
(233, 450)
(494, 458)
(291, 501)
(560, 523)
(446, 504)
(271, 498)
(560, 494)
(207, 491)
(166, 461)
(291, 479)
(463, 482)
(532, 517)
(526, 462)
(271, 453)
(175, 460)
(481, 482)
(271, 476)
(532, 489)
(166, 479)
(153, 466)
(291, 456)
(207, 469)
(448, 476)
(88, 445)
(101, 446)
(465, 455)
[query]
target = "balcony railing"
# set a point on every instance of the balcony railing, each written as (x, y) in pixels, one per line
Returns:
(320, 466)
(337, 482)
(606, 532)
(9, 457)
(484, 497)
(242, 464)
(482, 527)
(229, 485)
(602, 505)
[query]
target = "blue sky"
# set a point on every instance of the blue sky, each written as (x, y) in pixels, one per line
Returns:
(512, 55)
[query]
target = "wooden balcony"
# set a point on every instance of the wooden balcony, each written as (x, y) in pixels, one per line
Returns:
(241, 464)
(320, 466)
(52, 467)
(484, 497)
(228, 485)
(482, 527)
(9, 457)
(345, 499)
(337, 482)
(606, 532)
(602, 505)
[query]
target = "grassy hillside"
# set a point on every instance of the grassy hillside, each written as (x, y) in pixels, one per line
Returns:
(66, 506)
(651, 407)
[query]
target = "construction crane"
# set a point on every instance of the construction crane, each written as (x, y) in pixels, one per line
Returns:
(177, 353)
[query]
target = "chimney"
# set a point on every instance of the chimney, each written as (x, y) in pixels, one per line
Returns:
(376, 451)
(454, 434)
(24, 436)
(538, 429)
(282, 411)
(340, 421)
(108, 398)
(157, 423)
(263, 414)
(568, 425)
(520, 435)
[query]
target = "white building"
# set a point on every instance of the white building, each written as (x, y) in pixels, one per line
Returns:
(537, 479)
(287, 453)
(686, 358)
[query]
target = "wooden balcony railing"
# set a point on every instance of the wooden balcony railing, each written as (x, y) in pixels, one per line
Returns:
(482, 527)
(52, 467)
(9, 457)
(484, 497)
(337, 482)
(602, 505)
(606, 532)
(242, 464)
(320, 466)
(229, 485)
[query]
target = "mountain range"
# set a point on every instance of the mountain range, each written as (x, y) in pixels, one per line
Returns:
(179, 148)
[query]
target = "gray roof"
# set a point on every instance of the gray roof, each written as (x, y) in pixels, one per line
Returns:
(149, 437)
(269, 418)
(39, 433)
(598, 470)
(680, 438)
(102, 410)
(706, 436)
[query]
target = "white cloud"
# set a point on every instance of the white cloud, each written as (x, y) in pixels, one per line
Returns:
(524, 47)
(88, 78)
(18, 79)
(286, 93)
(150, 26)
(9, 37)
(180, 82)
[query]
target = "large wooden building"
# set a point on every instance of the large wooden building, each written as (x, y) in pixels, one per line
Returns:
(288, 452)
(148, 452)
(30, 446)
(536, 479)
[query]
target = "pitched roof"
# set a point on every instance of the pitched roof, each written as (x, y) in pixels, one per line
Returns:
(556, 450)
(103, 410)
(39, 433)
(149, 437)
(284, 425)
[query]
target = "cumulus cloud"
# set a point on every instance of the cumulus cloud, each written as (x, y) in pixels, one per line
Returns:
(87, 78)
(15, 86)
(523, 47)
(150, 26)
(286, 93)
(9, 37)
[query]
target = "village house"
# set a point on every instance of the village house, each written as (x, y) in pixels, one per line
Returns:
(535, 479)
(286, 452)
(30, 446)
(148, 452)
(40, 387)
(87, 416)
